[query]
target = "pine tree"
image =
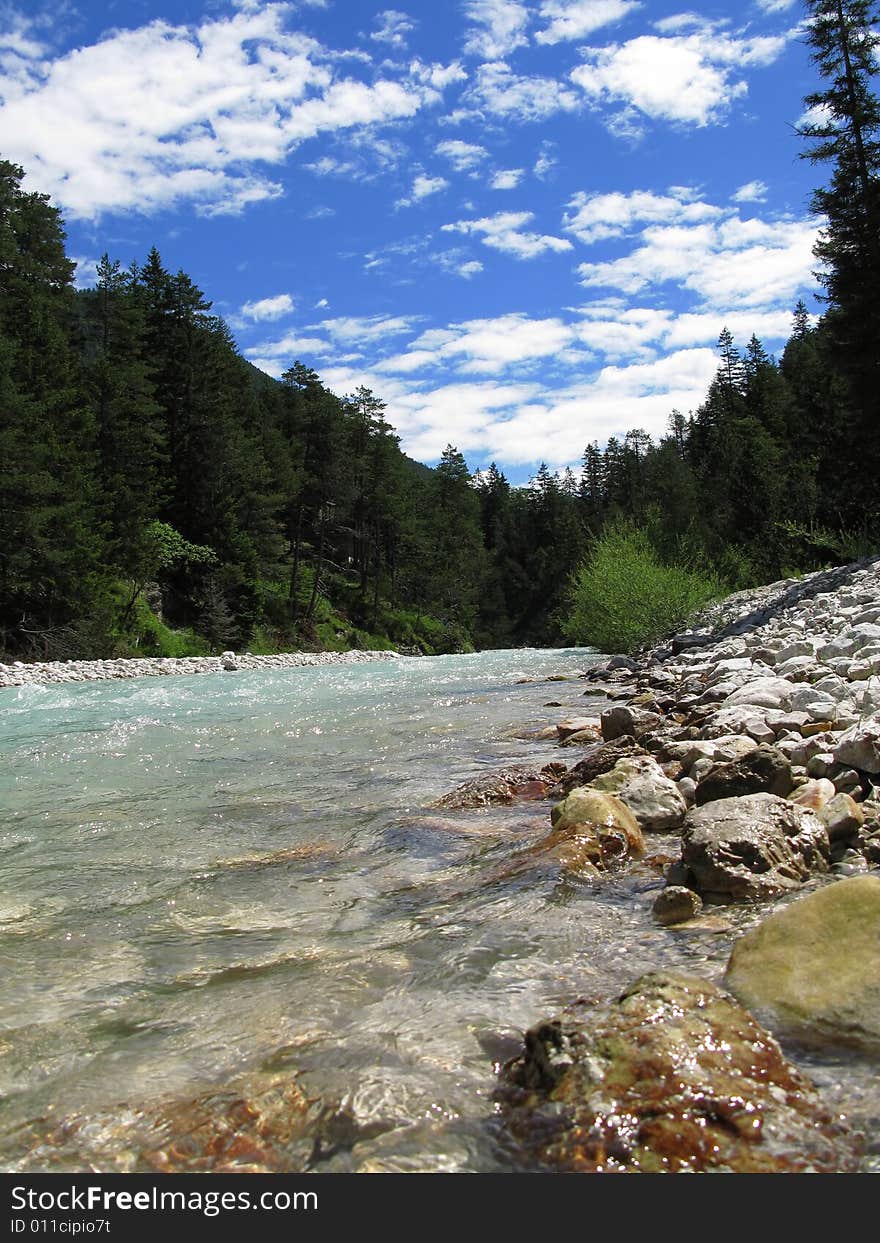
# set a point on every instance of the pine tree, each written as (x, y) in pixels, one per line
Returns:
(844, 131)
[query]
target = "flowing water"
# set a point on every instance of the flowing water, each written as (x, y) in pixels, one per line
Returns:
(212, 878)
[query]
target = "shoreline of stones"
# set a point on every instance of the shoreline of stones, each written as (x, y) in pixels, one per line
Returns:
(757, 734)
(754, 738)
(20, 673)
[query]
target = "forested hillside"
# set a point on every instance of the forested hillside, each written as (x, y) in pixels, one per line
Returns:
(160, 495)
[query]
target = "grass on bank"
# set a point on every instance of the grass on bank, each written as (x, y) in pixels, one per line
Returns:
(623, 597)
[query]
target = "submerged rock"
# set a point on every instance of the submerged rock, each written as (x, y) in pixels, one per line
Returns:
(752, 848)
(672, 1077)
(505, 785)
(605, 814)
(675, 905)
(812, 970)
(258, 1123)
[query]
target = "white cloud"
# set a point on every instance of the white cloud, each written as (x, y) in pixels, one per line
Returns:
(499, 91)
(287, 349)
(485, 345)
(435, 75)
(499, 27)
(546, 161)
(463, 156)
(321, 304)
(366, 329)
(689, 79)
(774, 6)
(819, 115)
(506, 178)
(86, 273)
(148, 118)
(423, 187)
(573, 19)
(751, 192)
(597, 217)
(470, 268)
(393, 28)
(727, 262)
(504, 232)
(267, 308)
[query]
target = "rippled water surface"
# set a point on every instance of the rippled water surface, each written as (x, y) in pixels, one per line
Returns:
(210, 877)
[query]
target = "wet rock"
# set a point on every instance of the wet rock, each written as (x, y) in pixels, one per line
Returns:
(599, 759)
(625, 720)
(764, 769)
(675, 904)
(812, 970)
(590, 807)
(258, 1123)
(655, 800)
(506, 785)
(674, 1076)
(581, 738)
(577, 725)
(752, 848)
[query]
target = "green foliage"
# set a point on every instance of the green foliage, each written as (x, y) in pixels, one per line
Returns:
(145, 635)
(837, 545)
(623, 597)
(168, 548)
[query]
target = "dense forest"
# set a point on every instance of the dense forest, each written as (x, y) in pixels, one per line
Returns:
(161, 495)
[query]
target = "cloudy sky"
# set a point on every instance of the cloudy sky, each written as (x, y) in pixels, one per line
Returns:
(522, 223)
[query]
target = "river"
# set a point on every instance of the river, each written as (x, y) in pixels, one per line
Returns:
(210, 879)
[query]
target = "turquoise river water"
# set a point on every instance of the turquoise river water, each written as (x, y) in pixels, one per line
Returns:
(206, 879)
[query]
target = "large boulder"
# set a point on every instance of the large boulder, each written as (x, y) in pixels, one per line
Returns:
(655, 800)
(764, 769)
(751, 848)
(672, 1077)
(768, 692)
(812, 970)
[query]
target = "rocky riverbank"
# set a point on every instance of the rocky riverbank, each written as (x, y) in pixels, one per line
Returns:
(752, 742)
(20, 674)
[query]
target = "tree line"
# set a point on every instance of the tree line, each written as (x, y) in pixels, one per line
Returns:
(159, 494)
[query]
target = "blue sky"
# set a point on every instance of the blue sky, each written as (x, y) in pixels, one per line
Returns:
(521, 223)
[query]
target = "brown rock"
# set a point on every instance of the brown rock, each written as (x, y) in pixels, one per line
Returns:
(674, 1076)
(506, 785)
(676, 904)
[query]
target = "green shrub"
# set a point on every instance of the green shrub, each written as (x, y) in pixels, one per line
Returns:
(623, 597)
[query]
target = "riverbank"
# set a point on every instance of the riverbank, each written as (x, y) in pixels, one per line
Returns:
(60, 671)
(740, 761)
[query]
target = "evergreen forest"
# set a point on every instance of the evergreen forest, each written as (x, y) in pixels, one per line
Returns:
(161, 496)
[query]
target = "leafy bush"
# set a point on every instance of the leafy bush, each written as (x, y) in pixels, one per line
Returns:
(623, 597)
